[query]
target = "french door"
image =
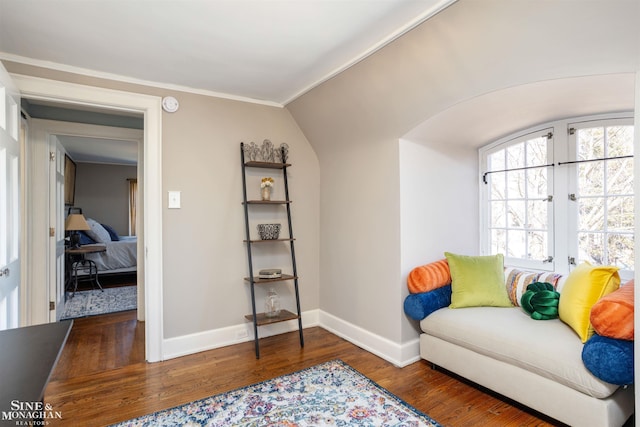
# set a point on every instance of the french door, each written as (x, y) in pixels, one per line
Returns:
(9, 203)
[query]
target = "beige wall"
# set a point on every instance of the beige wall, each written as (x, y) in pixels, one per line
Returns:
(356, 120)
(102, 191)
(348, 161)
(204, 258)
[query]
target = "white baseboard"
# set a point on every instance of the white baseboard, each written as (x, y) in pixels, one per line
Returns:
(222, 337)
(398, 354)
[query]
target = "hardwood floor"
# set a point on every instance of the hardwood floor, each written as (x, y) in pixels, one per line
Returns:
(109, 281)
(102, 377)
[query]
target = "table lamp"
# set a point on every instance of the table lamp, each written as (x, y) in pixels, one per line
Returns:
(74, 223)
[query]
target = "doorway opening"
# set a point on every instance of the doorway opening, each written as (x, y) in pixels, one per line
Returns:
(148, 107)
(94, 177)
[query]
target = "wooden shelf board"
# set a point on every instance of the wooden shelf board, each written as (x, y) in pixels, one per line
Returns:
(262, 319)
(258, 280)
(269, 240)
(266, 165)
(267, 202)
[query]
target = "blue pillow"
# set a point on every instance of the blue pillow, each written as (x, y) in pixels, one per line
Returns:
(112, 232)
(85, 239)
(420, 305)
(609, 359)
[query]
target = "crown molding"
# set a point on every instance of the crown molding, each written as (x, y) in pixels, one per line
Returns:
(124, 79)
(437, 6)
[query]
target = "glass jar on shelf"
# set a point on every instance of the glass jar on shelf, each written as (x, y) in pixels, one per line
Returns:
(272, 304)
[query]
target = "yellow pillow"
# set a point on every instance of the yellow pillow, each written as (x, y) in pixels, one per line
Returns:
(477, 281)
(585, 285)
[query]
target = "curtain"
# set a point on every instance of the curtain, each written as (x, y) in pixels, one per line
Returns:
(133, 203)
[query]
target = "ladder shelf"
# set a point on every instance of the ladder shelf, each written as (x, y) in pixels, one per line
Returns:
(261, 319)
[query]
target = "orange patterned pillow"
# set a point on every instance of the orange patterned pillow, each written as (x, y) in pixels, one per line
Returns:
(612, 315)
(429, 277)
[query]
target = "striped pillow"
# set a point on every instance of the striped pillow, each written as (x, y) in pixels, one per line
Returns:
(429, 277)
(517, 281)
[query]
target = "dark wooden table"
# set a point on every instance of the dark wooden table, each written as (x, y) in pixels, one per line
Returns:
(28, 356)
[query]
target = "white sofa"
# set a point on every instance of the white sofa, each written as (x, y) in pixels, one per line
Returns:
(535, 362)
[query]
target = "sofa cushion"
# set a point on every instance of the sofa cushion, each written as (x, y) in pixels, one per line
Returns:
(549, 349)
(517, 281)
(609, 359)
(477, 281)
(419, 306)
(612, 316)
(585, 285)
(428, 277)
(541, 301)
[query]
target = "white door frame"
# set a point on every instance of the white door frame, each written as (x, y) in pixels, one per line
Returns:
(41, 131)
(10, 194)
(150, 106)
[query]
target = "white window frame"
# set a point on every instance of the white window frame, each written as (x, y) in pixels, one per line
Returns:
(572, 229)
(561, 243)
(485, 191)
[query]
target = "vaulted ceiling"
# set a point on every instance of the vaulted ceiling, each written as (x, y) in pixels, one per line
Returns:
(273, 51)
(267, 50)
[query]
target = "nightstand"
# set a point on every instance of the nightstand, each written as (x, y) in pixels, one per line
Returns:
(77, 262)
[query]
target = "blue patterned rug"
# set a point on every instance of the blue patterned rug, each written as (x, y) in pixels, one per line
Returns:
(331, 393)
(93, 302)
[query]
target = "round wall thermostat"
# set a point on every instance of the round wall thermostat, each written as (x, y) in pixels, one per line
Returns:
(170, 104)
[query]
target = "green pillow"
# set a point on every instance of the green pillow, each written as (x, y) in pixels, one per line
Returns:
(477, 281)
(540, 301)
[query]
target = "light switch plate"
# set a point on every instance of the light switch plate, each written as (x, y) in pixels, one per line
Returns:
(174, 200)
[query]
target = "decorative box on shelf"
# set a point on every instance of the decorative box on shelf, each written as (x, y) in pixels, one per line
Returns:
(269, 231)
(270, 273)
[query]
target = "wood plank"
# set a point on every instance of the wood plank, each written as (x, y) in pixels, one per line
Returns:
(266, 165)
(102, 377)
(268, 202)
(263, 319)
(268, 240)
(257, 279)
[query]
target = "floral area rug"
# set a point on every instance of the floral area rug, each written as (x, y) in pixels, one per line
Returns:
(331, 393)
(95, 301)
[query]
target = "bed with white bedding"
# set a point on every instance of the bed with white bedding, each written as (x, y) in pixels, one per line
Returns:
(120, 256)
(121, 251)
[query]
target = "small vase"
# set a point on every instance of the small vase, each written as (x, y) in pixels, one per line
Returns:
(266, 193)
(272, 304)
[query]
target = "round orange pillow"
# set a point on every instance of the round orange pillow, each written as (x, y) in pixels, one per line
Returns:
(429, 277)
(612, 315)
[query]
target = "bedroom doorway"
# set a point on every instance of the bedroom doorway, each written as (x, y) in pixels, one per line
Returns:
(38, 242)
(96, 175)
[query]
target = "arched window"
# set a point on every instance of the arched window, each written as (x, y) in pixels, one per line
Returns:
(561, 194)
